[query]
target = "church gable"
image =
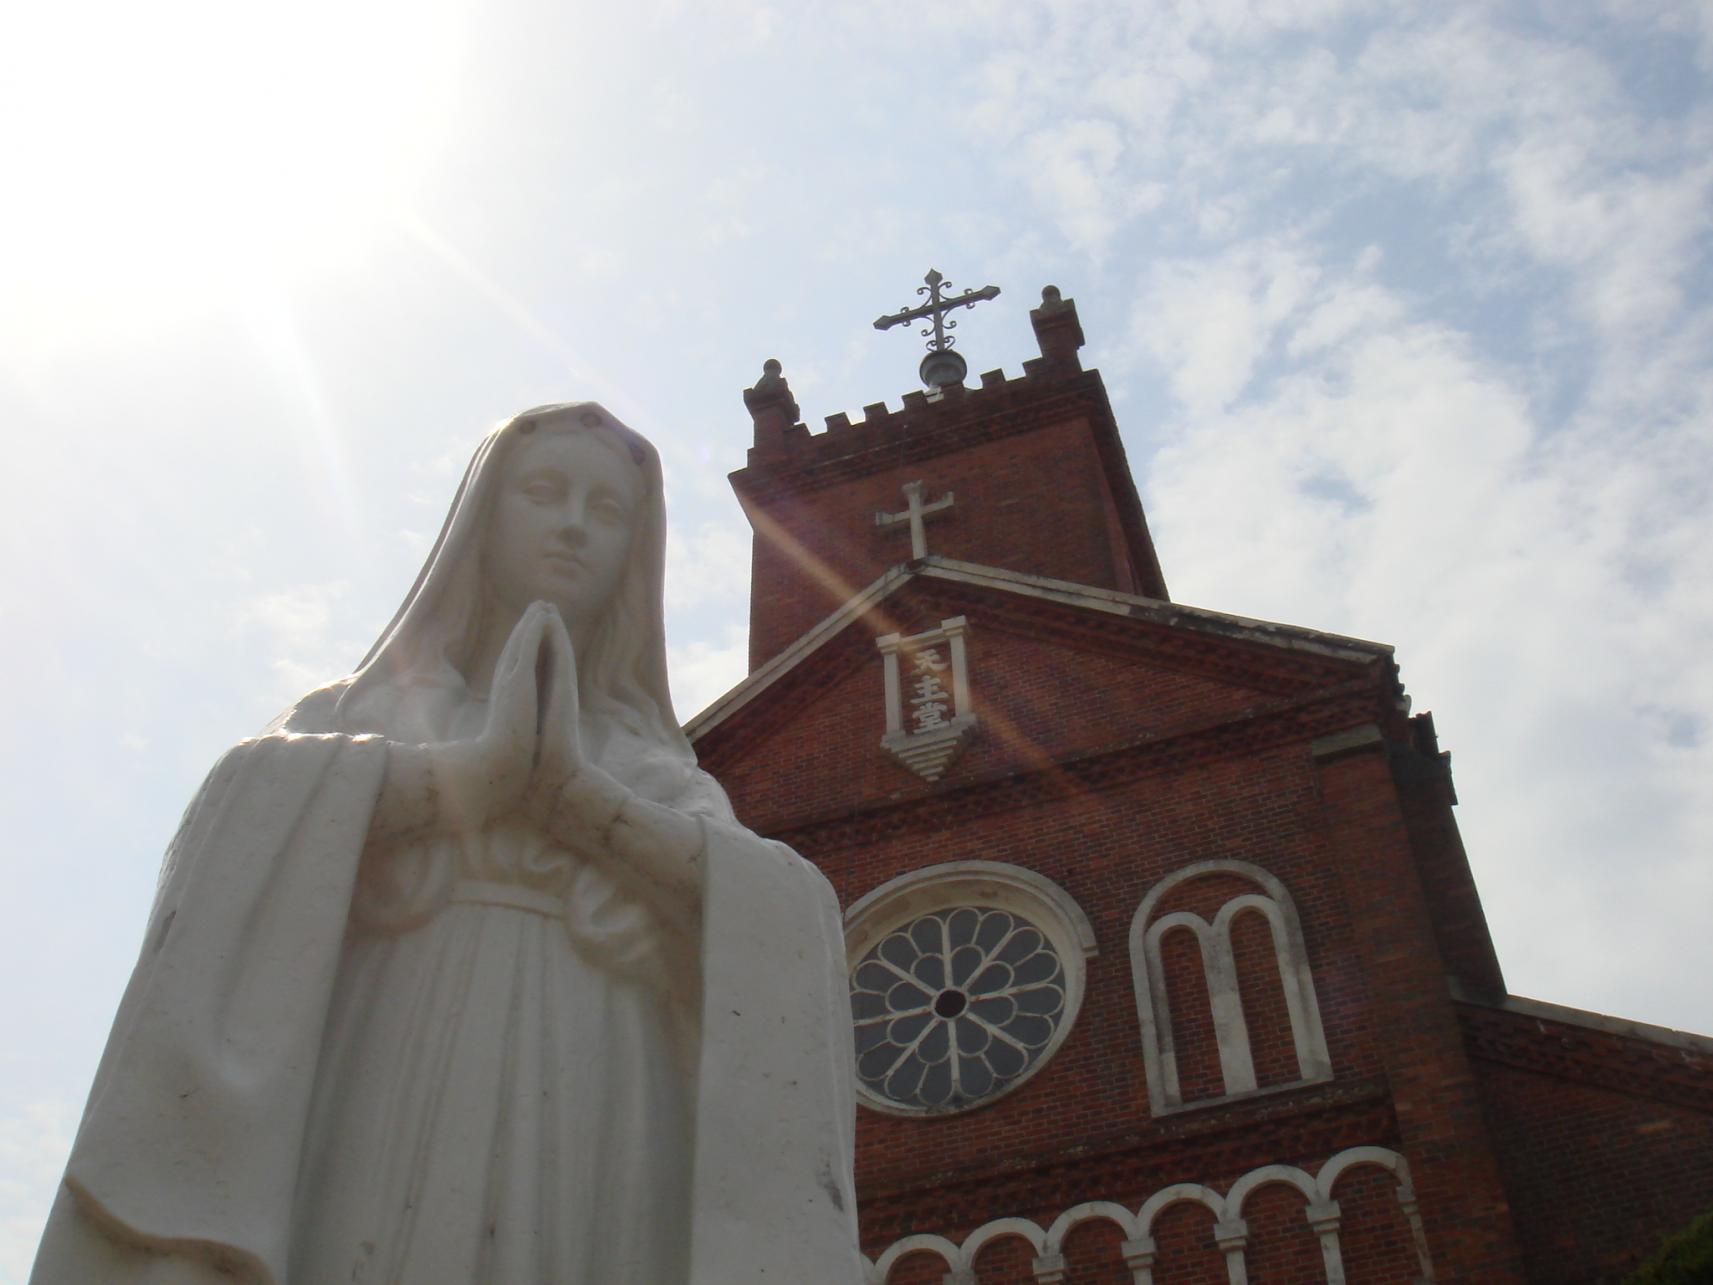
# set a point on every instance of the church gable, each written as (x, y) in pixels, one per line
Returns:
(1045, 674)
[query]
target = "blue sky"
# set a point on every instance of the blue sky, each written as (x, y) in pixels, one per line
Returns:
(1407, 320)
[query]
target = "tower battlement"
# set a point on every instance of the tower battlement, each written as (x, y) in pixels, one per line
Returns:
(783, 444)
(1035, 467)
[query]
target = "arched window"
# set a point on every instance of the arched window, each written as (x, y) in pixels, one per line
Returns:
(1249, 890)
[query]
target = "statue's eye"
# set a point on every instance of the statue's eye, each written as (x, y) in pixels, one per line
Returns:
(543, 491)
(608, 510)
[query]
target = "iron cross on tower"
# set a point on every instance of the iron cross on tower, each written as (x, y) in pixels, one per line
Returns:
(941, 366)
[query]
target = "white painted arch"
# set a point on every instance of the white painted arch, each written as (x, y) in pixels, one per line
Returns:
(1177, 1193)
(1289, 1175)
(988, 883)
(1229, 1232)
(1153, 1008)
(1090, 1211)
(883, 1265)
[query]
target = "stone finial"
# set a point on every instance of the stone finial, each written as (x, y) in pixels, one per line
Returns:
(1057, 330)
(771, 405)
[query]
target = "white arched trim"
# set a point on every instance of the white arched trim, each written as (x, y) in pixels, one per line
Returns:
(1090, 1211)
(1289, 1175)
(1399, 1168)
(1236, 1066)
(1177, 1193)
(1230, 1231)
(989, 884)
(1390, 1161)
(986, 883)
(999, 1229)
(947, 1251)
(1153, 1007)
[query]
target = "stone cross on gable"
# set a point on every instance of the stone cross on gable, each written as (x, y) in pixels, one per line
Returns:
(915, 513)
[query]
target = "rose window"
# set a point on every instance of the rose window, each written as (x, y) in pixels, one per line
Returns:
(954, 1007)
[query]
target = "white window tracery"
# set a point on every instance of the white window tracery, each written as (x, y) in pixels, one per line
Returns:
(1219, 965)
(954, 1005)
(965, 979)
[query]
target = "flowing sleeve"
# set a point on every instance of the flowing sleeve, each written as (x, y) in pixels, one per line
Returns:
(774, 1195)
(191, 1137)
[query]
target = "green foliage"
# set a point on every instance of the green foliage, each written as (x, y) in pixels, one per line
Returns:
(1685, 1259)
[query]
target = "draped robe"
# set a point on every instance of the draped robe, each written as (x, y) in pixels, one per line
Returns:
(522, 1077)
(190, 1147)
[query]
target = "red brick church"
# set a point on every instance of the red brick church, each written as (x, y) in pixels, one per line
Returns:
(1167, 962)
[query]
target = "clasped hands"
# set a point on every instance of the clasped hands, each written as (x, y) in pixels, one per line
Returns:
(528, 757)
(527, 761)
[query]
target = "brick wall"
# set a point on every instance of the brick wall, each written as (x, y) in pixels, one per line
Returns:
(1099, 850)
(1046, 690)
(1113, 750)
(1373, 1234)
(810, 772)
(1423, 775)
(1606, 1140)
(1434, 1092)
(1021, 503)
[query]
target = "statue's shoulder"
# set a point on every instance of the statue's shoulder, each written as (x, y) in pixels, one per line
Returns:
(316, 712)
(701, 795)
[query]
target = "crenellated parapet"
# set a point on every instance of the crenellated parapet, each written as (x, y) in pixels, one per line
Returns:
(783, 444)
(1036, 461)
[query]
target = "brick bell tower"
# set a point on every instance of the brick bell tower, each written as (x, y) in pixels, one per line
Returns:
(1167, 963)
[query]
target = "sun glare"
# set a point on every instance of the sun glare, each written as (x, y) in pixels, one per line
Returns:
(164, 155)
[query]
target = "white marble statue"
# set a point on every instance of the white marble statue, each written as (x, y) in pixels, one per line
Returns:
(463, 973)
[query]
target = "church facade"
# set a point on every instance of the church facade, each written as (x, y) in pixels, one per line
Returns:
(1167, 963)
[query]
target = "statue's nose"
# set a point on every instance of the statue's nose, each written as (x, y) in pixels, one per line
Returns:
(573, 530)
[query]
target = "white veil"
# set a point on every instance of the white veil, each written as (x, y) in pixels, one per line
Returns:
(414, 673)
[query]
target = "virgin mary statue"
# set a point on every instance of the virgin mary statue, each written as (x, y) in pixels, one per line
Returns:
(462, 973)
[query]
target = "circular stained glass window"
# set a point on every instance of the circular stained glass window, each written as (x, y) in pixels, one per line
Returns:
(954, 1007)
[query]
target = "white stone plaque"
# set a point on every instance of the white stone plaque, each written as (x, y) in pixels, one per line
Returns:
(928, 710)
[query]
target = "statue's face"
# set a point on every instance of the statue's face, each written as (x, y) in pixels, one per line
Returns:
(562, 524)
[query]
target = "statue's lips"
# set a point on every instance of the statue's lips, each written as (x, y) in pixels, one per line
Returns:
(564, 564)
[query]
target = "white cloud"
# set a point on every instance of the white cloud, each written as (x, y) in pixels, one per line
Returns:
(1488, 442)
(1545, 584)
(295, 631)
(708, 566)
(35, 1138)
(295, 618)
(601, 262)
(1073, 169)
(1628, 237)
(1210, 321)
(704, 670)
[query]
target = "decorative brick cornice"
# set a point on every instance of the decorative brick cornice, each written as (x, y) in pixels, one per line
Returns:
(1625, 1063)
(1132, 638)
(1137, 639)
(1298, 720)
